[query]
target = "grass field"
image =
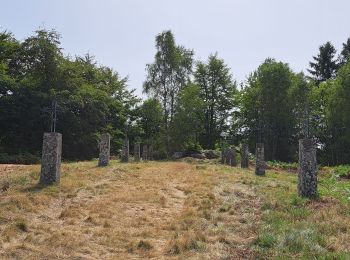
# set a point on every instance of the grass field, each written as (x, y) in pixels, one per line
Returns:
(172, 210)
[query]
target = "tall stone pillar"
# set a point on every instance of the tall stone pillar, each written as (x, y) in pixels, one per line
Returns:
(223, 155)
(144, 152)
(244, 156)
(231, 157)
(51, 159)
(307, 178)
(137, 152)
(104, 147)
(150, 152)
(125, 152)
(260, 159)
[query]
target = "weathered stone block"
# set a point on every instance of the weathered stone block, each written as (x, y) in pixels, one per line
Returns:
(307, 178)
(104, 147)
(125, 151)
(137, 152)
(145, 152)
(51, 159)
(230, 158)
(244, 156)
(223, 155)
(150, 152)
(260, 159)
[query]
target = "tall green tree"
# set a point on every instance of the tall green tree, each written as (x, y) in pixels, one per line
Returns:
(266, 110)
(189, 118)
(217, 90)
(167, 75)
(345, 52)
(325, 64)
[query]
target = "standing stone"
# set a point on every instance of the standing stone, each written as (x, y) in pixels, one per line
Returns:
(231, 157)
(260, 159)
(125, 152)
(307, 185)
(150, 152)
(244, 156)
(144, 152)
(51, 159)
(137, 152)
(104, 146)
(223, 155)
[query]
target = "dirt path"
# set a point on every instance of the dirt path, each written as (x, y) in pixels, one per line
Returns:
(152, 210)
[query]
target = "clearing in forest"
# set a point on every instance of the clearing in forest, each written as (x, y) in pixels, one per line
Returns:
(168, 210)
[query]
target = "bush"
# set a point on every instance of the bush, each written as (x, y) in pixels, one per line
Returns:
(21, 158)
(192, 147)
(342, 171)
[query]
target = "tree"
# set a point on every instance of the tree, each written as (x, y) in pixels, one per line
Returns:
(189, 117)
(325, 65)
(92, 99)
(345, 53)
(169, 73)
(217, 91)
(266, 110)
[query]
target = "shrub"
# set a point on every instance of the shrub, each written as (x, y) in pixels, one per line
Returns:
(192, 147)
(21, 158)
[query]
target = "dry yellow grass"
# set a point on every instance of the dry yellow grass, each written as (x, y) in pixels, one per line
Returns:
(128, 211)
(169, 210)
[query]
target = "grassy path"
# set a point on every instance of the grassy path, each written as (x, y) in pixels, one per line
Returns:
(169, 210)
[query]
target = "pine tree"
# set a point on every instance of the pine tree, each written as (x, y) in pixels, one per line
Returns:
(325, 65)
(345, 53)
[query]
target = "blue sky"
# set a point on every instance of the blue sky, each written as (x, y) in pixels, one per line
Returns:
(120, 34)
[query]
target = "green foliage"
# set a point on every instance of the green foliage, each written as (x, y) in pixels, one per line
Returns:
(191, 148)
(325, 64)
(266, 110)
(92, 99)
(217, 90)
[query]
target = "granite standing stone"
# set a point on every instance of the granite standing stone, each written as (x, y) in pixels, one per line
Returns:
(150, 152)
(125, 152)
(104, 146)
(51, 159)
(231, 157)
(244, 156)
(144, 152)
(223, 155)
(260, 159)
(137, 152)
(307, 178)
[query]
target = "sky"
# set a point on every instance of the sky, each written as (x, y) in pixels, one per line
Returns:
(121, 34)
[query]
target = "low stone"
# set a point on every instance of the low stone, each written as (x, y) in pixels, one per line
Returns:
(211, 154)
(198, 156)
(230, 157)
(177, 155)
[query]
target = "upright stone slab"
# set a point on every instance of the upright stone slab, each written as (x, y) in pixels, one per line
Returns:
(125, 152)
(104, 147)
(231, 157)
(51, 159)
(244, 156)
(144, 152)
(150, 152)
(260, 159)
(137, 152)
(223, 155)
(307, 185)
